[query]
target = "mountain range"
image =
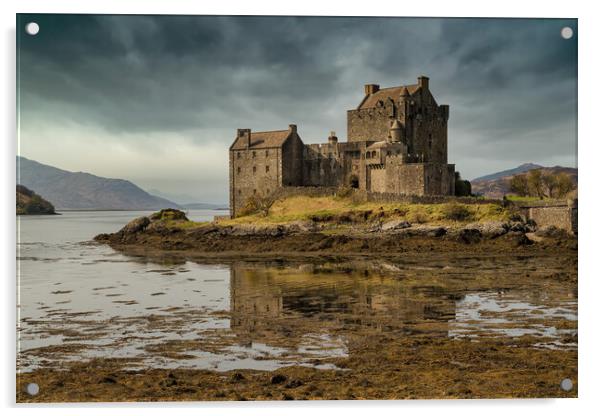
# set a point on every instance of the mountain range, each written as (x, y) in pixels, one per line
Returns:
(496, 185)
(83, 191)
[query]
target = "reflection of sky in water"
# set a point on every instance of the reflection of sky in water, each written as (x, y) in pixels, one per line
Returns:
(505, 314)
(69, 290)
(112, 305)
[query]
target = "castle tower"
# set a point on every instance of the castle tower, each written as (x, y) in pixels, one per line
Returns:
(395, 132)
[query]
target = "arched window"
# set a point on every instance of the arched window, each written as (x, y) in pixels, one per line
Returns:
(254, 169)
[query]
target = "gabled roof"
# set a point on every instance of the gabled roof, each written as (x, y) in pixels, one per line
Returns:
(382, 95)
(262, 140)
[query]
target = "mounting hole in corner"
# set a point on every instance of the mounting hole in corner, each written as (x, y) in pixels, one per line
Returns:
(566, 32)
(32, 389)
(566, 384)
(32, 28)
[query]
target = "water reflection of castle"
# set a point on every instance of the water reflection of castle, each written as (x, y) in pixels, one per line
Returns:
(261, 296)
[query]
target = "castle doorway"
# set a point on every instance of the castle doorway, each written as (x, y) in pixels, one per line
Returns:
(354, 182)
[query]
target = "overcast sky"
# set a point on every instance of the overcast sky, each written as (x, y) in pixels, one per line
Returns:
(157, 99)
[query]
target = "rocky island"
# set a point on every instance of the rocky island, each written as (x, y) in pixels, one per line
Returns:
(299, 225)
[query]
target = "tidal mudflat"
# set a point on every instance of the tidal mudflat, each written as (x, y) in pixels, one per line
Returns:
(104, 325)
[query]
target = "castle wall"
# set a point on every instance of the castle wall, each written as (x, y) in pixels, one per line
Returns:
(439, 179)
(253, 173)
(334, 164)
(292, 161)
(377, 181)
(323, 165)
(368, 124)
(428, 138)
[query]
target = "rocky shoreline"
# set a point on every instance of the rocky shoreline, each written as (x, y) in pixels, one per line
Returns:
(171, 230)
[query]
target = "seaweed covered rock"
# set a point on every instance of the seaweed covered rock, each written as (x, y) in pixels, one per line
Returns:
(135, 226)
(169, 214)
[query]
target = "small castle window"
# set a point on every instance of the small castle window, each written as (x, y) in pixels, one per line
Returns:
(254, 191)
(238, 155)
(238, 170)
(267, 168)
(367, 155)
(254, 169)
(374, 153)
(254, 153)
(239, 192)
(267, 153)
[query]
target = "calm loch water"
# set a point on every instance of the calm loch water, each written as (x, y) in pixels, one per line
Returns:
(78, 300)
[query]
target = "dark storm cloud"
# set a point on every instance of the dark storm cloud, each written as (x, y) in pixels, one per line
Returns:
(511, 83)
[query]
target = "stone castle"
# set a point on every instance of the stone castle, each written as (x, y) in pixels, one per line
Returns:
(396, 143)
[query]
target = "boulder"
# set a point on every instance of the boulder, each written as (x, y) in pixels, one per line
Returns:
(490, 229)
(395, 225)
(551, 232)
(470, 235)
(425, 231)
(135, 226)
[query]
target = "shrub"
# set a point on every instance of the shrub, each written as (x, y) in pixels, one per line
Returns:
(462, 187)
(257, 205)
(169, 214)
(344, 192)
(417, 215)
(455, 212)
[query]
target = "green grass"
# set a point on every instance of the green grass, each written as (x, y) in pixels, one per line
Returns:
(517, 198)
(340, 210)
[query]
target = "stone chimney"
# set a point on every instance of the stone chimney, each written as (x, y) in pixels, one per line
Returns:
(333, 139)
(371, 88)
(423, 82)
(292, 128)
(246, 134)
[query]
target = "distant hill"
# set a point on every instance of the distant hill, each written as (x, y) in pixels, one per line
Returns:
(187, 201)
(83, 191)
(525, 167)
(496, 185)
(203, 205)
(30, 203)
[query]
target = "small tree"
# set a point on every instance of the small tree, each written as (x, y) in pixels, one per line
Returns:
(258, 205)
(534, 181)
(519, 185)
(541, 184)
(564, 185)
(463, 188)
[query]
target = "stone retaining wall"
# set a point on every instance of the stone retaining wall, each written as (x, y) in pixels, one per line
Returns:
(558, 213)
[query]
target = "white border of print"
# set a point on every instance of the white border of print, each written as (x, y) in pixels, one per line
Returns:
(590, 149)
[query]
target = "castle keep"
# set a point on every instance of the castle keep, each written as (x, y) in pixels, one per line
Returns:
(396, 143)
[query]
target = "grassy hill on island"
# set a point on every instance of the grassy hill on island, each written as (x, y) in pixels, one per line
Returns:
(30, 203)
